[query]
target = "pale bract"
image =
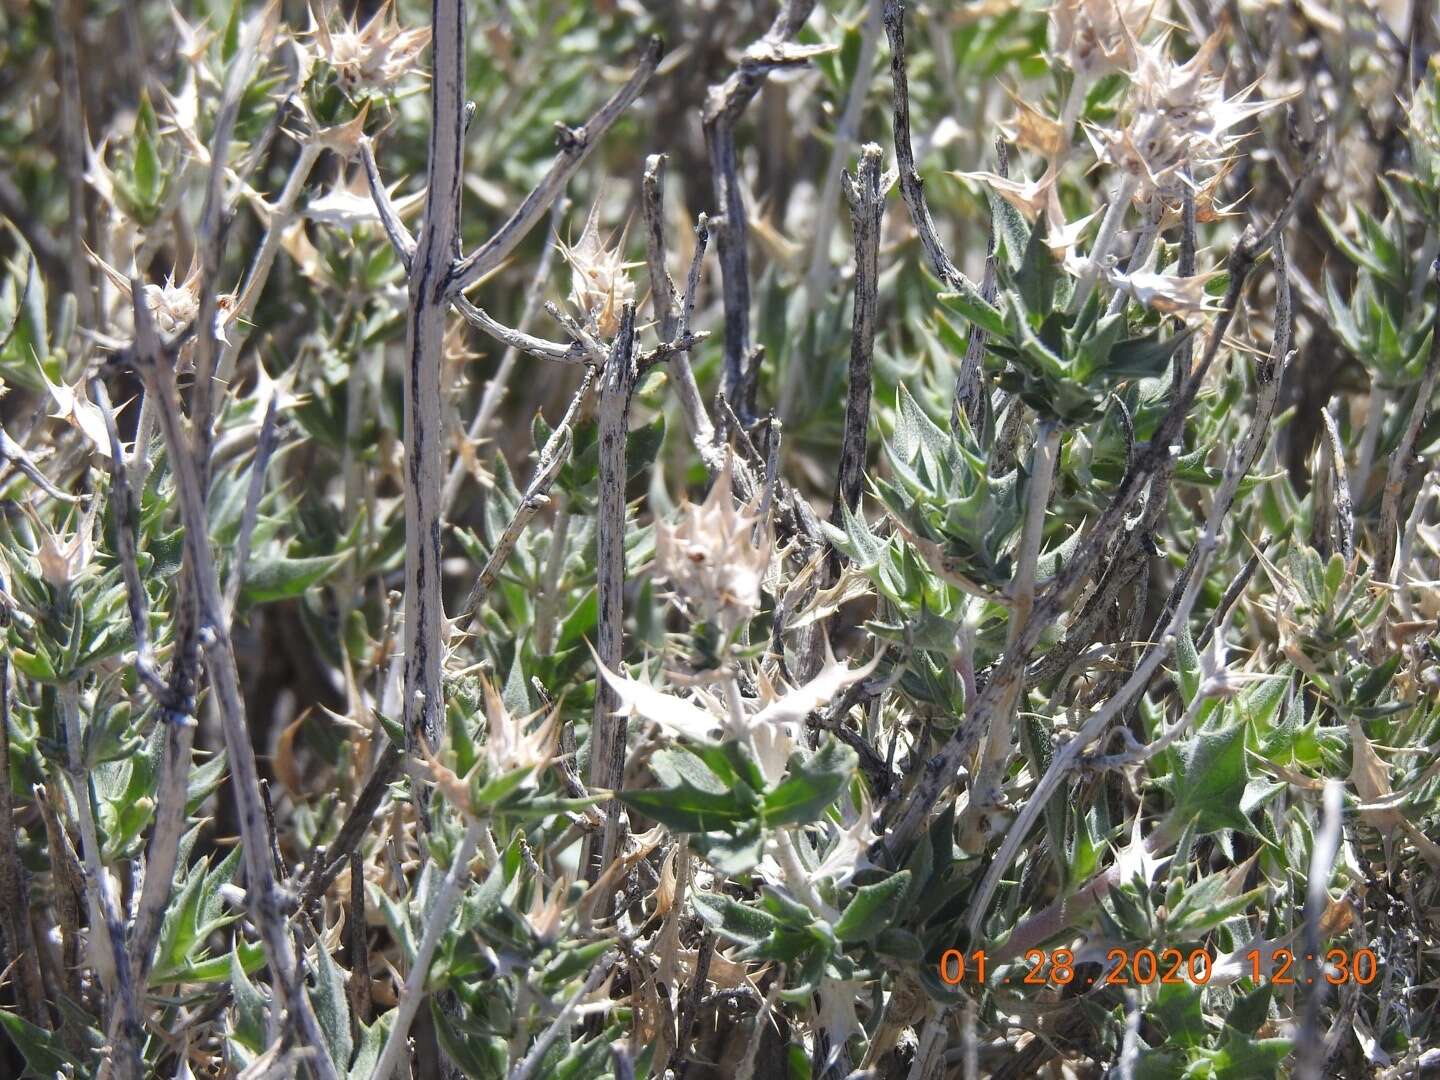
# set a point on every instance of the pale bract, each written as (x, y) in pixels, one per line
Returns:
(374, 56)
(1096, 37)
(711, 558)
(850, 844)
(600, 284)
(508, 743)
(770, 729)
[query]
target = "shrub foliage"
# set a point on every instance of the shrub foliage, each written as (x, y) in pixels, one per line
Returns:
(533, 545)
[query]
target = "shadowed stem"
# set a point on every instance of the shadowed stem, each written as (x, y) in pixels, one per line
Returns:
(1000, 740)
(866, 194)
(266, 903)
(437, 924)
(672, 316)
(608, 731)
(423, 701)
(724, 105)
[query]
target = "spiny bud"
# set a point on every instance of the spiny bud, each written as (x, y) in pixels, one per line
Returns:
(711, 558)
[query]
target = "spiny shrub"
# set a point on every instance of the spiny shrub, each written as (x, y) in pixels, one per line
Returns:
(767, 541)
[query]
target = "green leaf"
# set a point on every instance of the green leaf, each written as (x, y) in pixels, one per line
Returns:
(733, 920)
(575, 957)
(1243, 1058)
(642, 445)
(1211, 778)
(1188, 664)
(230, 41)
(281, 578)
(44, 1053)
(217, 969)
(1159, 1065)
(1144, 357)
(147, 169)
(372, 1041)
(1178, 1009)
(479, 1055)
(812, 785)
(332, 1008)
(976, 309)
(872, 908)
(732, 762)
(732, 853)
(1038, 272)
(496, 790)
(252, 1007)
(1251, 1010)
(687, 808)
(900, 945)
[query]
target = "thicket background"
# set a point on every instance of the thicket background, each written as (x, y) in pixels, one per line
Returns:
(1041, 557)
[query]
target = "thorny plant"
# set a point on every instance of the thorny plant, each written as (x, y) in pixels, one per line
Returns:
(423, 655)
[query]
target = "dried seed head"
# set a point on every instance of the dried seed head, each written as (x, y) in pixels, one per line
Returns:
(711, 558)
(1096, 37)
(371, 57)
(508, 745)
(599, 283)
(173, 306)
(63, 559)
(1180, 116)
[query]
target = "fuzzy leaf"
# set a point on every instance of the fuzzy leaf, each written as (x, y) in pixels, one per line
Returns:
(872, 908)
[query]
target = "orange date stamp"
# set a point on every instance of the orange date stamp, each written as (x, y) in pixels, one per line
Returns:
(1165, 967)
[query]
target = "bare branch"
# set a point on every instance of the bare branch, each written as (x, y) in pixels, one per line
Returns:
(10, 450)
(267, 905)
(865, 192)
(499, 383)
(607, 740)
(264, 447)
(575, 146)
(400, 238)
(724, 105)
(553, 456)
(541, 349)
(673, 325)
(423, 703)
(127, 515)
(911, 186)
(663, 297)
